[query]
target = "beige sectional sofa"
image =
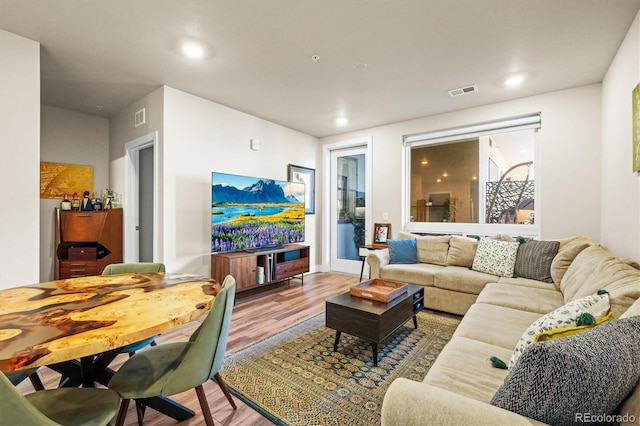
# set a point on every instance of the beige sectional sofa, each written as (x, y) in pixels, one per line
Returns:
(461, 384)
(444, 269)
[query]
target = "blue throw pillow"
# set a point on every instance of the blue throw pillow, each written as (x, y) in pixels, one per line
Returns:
(403, 251)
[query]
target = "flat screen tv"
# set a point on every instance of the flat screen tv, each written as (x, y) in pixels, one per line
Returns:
(249, 213)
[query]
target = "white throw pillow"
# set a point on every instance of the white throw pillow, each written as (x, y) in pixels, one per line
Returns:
(597, 305)
(495, 257)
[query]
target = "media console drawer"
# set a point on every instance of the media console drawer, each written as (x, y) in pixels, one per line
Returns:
(291, 268)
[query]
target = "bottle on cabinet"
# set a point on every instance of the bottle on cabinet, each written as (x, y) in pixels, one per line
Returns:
(65, 204)
(75, 202)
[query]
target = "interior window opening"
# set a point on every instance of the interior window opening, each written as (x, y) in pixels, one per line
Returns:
(484, 179)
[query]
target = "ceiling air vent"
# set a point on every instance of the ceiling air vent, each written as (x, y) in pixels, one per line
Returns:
(463, 90)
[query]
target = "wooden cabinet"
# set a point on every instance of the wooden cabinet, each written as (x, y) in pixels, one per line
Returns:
(278, 265)
(87, 241)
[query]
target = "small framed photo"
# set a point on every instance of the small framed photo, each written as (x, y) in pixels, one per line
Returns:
(381, 233)
(307, 176)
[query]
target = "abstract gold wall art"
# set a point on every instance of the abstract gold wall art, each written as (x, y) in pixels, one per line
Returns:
(58, 180)
(636, 128)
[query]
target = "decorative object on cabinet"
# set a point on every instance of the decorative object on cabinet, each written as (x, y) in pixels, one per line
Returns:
(307, 176)
(86, 204)
(58, 179)
(276, 265)
(86, 242)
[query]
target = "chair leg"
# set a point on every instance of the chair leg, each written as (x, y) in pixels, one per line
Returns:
(122, 414)
(36, 382)
(204, 405)
(140, 412)
(220, 383)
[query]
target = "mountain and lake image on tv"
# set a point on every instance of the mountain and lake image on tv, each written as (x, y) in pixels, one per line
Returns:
(249, 213)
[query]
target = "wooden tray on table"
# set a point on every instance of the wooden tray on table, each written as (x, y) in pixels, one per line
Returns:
(379, 290)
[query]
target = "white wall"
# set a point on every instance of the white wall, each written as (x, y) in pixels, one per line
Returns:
(201, 136)
(72, 138)
(197, 137)
(620, 186)
(19, 160)
(569, 157)
(121, 131)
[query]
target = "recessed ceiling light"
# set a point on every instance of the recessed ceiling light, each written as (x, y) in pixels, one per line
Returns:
(192, 50)
(438, 180)
(342, 121)
(445, 174)
(424, 162)
(514, 80)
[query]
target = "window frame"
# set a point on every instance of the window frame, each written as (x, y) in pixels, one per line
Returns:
(442, 136)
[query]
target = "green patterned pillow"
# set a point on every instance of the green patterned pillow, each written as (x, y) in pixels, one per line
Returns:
(597, 305)
(495, 257)
(562, 380)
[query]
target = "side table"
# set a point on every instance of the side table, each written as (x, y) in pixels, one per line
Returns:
(363, 251)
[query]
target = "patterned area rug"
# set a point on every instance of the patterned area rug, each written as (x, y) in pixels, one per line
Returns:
(294, 378)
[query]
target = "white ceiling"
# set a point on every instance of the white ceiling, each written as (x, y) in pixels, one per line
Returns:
(113, 52)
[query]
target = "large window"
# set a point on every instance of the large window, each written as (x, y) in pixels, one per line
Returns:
(482, 174)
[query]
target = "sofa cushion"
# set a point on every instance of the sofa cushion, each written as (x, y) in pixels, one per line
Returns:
(526, 282)
(633, 310)
(565, 316)
(568, 250)
(591, 372)
(416, 273)
(461, 367)
(534, 258)
(462, 250)
(495, 325)
(402, 251)
(597, 268)
(528, 299)
(430, 249)
(495, 257)
(461, 279)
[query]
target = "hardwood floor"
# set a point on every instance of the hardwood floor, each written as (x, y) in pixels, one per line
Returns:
(255, 317)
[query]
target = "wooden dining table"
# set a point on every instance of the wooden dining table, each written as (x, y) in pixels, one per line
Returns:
(78, 326)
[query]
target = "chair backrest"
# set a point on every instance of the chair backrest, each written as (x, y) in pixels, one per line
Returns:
(208, 344)
(16, 409)
(123, 268)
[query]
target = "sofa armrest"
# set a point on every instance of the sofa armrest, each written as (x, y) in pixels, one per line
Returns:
(408, 403)
(376, 260)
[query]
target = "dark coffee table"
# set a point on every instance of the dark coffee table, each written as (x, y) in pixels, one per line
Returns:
(371, 320)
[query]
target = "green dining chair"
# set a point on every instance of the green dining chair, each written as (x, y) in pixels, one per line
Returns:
(139, 267)
(172, 368)
(17, 377)
(65, 406)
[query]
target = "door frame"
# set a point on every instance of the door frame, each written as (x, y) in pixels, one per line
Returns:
(131, 195)
(366, 143)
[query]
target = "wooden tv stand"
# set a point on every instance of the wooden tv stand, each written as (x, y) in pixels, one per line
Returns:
(279, 264)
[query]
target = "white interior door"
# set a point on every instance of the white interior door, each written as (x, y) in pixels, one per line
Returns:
(348, 207)
(141, 200)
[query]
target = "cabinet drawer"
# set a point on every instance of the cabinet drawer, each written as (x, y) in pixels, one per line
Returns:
(78, 268)
(83, 253)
